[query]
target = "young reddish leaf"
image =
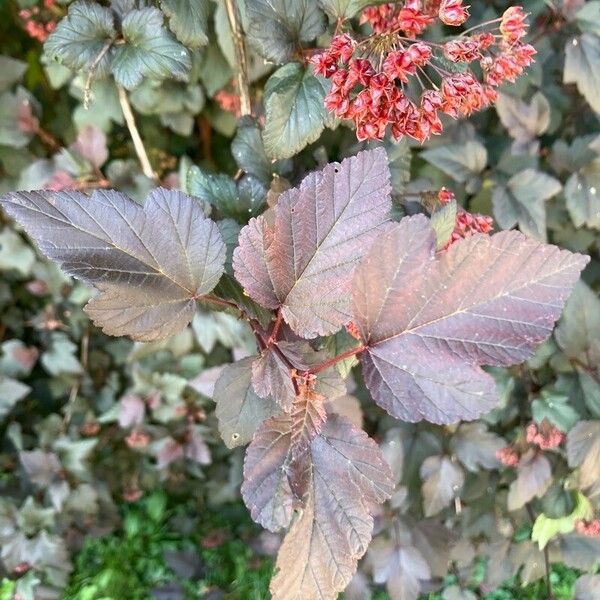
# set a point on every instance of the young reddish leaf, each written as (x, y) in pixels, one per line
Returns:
(266, 489)
(304, 259)
(534, 476)
(308, 417)
(271, 375)
(319, 554)
(148, 287)
(430, 323)
(583, 451)
(239, 410)
(442, 480)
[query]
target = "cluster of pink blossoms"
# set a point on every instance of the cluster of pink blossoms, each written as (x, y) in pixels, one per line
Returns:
(37, 22)
(370, 79)
(588, 528)
(545, 436)
(466, 223)
(508, 456)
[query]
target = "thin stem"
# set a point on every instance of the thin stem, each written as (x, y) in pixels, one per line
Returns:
(276, 328)
(140, 150)
(240, 56)
(87, 90)
(47, 139)
(336, 359)
(547, 566)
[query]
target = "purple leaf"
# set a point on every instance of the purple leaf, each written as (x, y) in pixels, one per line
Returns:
(442, 481)
(399, 565)
(91, 144)
(476, 447)
(168, 452)
(348, 476)
(266, 489)
(303, 258)
(149, 263)
(196, 448)
(583, 451)
(587, 587)
(430, 323)
(131, 411)
(239, 410)
(41, 467)
(534, 476)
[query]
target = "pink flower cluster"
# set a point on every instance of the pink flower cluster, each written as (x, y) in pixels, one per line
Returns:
(508, 456)
(545, 436)
(466, 223)
(37, 22)
(370, 77)
(588, 528)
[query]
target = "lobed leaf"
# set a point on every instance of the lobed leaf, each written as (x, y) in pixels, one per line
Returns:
(583, 451)
(534, 476)
(319, 554)
(430, 323)
(150, 264)
(295, 113)
(442, 480)
(150, 51)
(277, 28)
(312, 242)
(80, 37)
(582, 67)
(522, 200)
(188, 20)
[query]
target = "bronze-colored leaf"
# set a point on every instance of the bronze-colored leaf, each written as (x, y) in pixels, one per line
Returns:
(150, 264)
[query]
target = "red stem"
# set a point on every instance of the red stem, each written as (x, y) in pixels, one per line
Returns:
(336, 359)
(276, 328)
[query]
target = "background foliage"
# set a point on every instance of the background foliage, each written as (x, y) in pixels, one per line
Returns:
(103, 435)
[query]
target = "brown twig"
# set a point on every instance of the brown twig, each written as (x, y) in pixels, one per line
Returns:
(240, 56)
(138, 144)
(87, 89)
(47, 139)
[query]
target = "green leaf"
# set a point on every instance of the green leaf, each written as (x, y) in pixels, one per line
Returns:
(295, 114)
(60, 357)
(11, 391)
(15, 112)
(188, 20)
(240, 201)
(461, 162)
(582, 192)
(11, 71)
(521, 202)
(582, 67)
(555, 407)
(15, 253)
(443, 222)
(150, 51)
(249, 152)
(344, 9)
(588, 17)
(277, 28)
(545, 529)
(81, 36)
